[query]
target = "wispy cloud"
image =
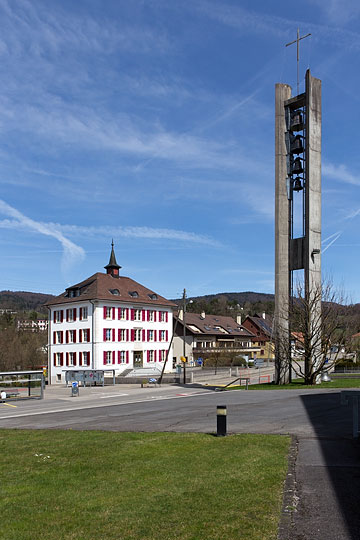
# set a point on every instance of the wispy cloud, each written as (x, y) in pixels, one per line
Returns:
(58, 230)
(71, 252)
(340, 173)
(338, 11)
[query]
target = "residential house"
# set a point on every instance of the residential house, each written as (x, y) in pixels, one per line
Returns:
(261, 327)
(206, 335)
(108, 321)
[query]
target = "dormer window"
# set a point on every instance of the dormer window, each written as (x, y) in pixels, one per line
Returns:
(153, 296)
(134, 294)
(115, 292)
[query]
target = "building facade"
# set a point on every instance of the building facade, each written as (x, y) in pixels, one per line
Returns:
(108, 321)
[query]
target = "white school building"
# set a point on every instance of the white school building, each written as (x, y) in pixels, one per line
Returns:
(108, 321)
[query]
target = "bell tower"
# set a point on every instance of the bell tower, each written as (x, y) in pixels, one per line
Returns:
(112, 268)
(297, 176)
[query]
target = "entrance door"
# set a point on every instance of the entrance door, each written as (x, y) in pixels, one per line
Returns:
(138, 359)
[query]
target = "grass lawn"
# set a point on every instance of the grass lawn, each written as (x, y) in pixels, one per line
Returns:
(85, 485)
(298, 384)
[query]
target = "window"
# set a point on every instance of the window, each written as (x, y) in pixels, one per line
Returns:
(71, 315)
(83, 313)
(85, 358)
(153, 296)
(151, 315)
(122, 357)
(122, 335)
(122, 314)
(72, 336)
(58, 337)
(58, 359)
(138, 334)
(162, 356)
(163, 316)
(115, 292)
(71, 359)
(85, 335)
(150, 335)
(107, 357)
(134, 294)
(108, 314)
(58, 316)
(137, 314)
(107, 334)
(150, 356)
(163, 335)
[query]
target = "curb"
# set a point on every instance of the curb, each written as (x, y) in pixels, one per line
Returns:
(290, 498)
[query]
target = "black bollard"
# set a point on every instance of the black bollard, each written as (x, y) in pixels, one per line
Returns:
(221, 413)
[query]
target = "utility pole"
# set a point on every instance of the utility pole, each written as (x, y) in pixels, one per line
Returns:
(184, 334)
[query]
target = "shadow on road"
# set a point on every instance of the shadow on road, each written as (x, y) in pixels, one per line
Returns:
(331, 498)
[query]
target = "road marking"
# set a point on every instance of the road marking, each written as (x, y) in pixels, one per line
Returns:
(98, 406)
(8, 404)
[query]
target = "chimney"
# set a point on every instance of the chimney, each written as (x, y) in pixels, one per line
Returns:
(263, 315)
(238, 319)
(202, 315)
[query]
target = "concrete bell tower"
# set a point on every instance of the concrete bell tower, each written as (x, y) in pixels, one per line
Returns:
(297, 174)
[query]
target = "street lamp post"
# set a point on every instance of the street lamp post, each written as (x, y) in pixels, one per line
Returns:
(184, 334)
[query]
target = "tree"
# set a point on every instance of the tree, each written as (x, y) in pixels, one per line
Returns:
(316, 323)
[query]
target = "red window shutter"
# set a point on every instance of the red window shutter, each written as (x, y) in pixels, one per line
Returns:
(80, 359)
(54, 337)
(154, 356)
(154, 335)
(54, 359)
(113, 334)
(127, 314)
(61, 316)
(80, 313)
(132, 335)
(88, 334)
(74, 358)
(119, 314)
(148, 335)
(119, 334)
(75, 310)
(113, 313)
(67, 315)
(127, 357)
(75, 335)
(54, 316)
(67, 358)
(148, 315)
(127, 335)
(61, 359)
(132, 313)
(80, 336)
(104, 312)
(143, 335)
(62, 337)
(104, 336)
(104, 358)
(143, 314)
(113, 357)
(119, 357)
(166, 316)
(166, 335)
(67, 336)
(148, 356)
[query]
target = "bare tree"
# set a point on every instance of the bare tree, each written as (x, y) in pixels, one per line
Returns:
(322, 332)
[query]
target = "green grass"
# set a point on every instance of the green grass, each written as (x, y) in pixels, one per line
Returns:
(298, 384)
(102, 485)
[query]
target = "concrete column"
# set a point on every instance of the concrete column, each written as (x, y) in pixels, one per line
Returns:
(313, 210)
(281, 322)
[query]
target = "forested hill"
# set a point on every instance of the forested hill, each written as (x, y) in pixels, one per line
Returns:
(24, 301)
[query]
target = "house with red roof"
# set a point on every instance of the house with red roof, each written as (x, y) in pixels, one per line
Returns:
(109, 321)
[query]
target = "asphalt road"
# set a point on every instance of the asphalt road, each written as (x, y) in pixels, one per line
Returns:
(323, 484)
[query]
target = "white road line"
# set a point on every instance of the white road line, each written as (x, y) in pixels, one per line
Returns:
(96, 406)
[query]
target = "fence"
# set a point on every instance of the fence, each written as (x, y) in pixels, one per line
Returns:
(21, 385)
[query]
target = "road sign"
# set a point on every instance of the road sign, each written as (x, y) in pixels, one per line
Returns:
(200, 361)
(183, 359)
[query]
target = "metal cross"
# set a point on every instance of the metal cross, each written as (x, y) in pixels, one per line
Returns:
(297, 52)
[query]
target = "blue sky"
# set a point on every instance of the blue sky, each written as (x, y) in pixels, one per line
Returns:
(152, 122)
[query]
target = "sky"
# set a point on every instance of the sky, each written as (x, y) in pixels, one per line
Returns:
(152, 123)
